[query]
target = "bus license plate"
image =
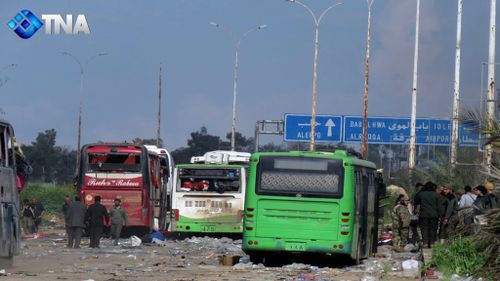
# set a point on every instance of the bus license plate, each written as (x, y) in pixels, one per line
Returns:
(208, 228)
(294, 246)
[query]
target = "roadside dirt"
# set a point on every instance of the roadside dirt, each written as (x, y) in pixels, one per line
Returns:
(195, 258)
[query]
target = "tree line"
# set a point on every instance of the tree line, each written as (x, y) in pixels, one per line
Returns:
(55, 164)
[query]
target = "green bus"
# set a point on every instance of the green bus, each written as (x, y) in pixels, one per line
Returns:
(311, 202)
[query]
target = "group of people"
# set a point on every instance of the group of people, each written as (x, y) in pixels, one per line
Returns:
(434, 212)
(32, 215)
(77, 217)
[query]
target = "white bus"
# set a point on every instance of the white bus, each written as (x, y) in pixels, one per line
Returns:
(209, 194)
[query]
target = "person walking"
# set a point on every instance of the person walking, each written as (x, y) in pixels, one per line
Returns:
(119, 218)
(76, 222)
(428, 209)
(96, 216)
(38, 212)
(401, 219)
(64, 210)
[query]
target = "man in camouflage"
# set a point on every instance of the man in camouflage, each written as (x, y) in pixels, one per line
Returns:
(401, 219)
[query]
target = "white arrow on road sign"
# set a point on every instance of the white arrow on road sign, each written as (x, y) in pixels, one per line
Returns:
(330, 124)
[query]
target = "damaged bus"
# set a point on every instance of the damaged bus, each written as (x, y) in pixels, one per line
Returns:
(208, 194)
(125, 171)
(11, 183)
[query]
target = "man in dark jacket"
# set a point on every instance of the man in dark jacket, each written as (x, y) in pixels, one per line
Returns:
(449, 213)
(76, 222)
(428, 207)
(64, 210)
(96, 216)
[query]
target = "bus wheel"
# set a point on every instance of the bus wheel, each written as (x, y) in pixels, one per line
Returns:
(256, 258)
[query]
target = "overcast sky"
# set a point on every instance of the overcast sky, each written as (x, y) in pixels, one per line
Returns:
(120, 89)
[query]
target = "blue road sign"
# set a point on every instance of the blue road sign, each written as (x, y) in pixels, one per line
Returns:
(298, 128)
(393, 130)
(467, 137)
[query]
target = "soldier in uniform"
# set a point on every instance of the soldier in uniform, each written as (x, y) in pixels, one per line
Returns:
(401, 219)
(448, 219)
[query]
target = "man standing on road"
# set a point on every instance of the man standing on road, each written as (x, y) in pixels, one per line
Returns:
(97, 216)
(119, 219)
(76, 222)
(401, 219)
(64, 209)
(449, 214)
(428, 207)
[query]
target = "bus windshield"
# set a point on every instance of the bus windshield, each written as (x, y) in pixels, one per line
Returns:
(108, 162)
(209, 180)
(299, 176)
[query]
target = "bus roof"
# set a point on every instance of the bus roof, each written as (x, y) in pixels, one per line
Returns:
(215, 166)
(339, 154)
(156, 150)
(222, 157)
(113, 147)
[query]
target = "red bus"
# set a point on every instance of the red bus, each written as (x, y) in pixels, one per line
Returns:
(123, 171)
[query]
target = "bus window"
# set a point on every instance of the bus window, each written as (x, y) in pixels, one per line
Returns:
(122, 162)
(305, 176)
(209, 180)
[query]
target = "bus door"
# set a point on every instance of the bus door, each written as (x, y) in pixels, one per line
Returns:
(362, 208)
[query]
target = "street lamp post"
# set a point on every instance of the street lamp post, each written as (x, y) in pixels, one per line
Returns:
(235, 76)
(364, 144)
(412, 152)
(78, 154)
(317, 22)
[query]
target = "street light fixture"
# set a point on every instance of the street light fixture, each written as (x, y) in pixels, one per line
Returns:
(78, 154)
(317, 22)
(235, 79)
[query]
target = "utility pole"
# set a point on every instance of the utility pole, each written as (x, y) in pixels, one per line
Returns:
(411, 157)
(364, 144)
(158, 144)
(456, 89)
(490, 103)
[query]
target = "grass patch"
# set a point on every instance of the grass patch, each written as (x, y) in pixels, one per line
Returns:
(51, 196)
(459, 256)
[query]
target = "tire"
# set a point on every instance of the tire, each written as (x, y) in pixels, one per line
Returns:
(256, 258)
